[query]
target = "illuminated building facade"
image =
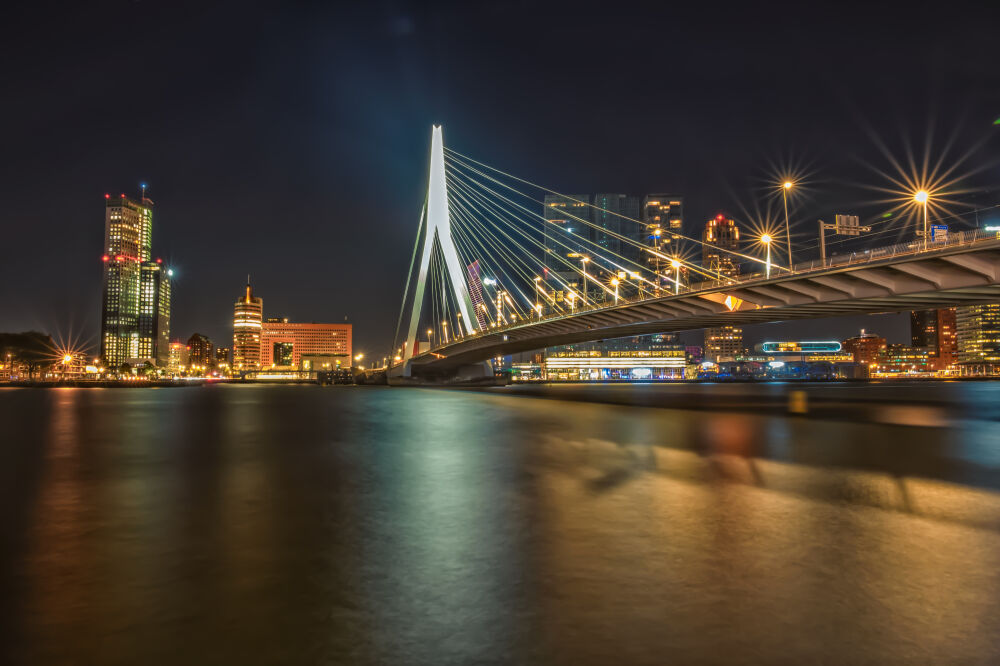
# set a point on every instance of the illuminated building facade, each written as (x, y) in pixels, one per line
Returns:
(202, 352)
(128, 227)
(609, 213)
(866, 347)
(248, 313)
(179, 356)
(282, 341)
(721, 234)
(634, 358)
(896, 358)
(662, 215)
(563, 236)
(154, 313)
(221, 357)
(723, 343)
(936, 330)
(814, 351)
(978, 333)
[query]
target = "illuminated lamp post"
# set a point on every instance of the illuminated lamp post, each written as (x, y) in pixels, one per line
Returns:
(788, 233)
(676, 265)
(583, 264)
(538, 304)
(921, 198)
(614, 283)
(766, 240)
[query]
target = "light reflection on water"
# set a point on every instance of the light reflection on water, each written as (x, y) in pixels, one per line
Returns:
(301, 524)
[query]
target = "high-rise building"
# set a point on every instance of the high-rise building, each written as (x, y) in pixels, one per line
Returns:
(935, 330)
(128, 227)
(202, 351)
(866, 347)
(248, 313)
(978, 336)
(566, 232)
(221, 357)
(662, 215)
(721, 238)
(615, 216)
(179, 357)
(154, 313)
(283, 343)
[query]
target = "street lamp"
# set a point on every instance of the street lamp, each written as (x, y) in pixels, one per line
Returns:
(583, 264)
(676, 265)
(788, 233)
(766, 240)
(614, 283)
(444, 328)
(921, 198)
(538, 304)
(429, 332)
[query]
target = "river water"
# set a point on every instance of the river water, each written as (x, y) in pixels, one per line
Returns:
(298, 524)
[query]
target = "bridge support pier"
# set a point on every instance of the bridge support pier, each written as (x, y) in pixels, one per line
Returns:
(474, 374)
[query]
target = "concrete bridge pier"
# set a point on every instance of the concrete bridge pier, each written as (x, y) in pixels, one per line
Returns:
(471, 374)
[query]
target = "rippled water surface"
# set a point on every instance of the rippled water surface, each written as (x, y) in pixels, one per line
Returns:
(299, 524)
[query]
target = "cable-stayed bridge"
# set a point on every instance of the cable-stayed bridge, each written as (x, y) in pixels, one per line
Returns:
(494, 273)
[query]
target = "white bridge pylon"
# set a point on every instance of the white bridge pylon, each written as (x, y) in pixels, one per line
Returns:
(438, 228)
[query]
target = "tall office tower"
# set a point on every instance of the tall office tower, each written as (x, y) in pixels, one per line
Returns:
(248, 315)
(616, 215)
(128, 227)
(154, 313)
(935, 329)
(721, 234)
(202, 351)
(663, 217)
(221, 357)
(978, 328)
(566, 230)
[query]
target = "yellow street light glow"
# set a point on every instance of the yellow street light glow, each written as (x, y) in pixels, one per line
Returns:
(921, 196)
(614, 282)
(788, 185)
(766, 238)
(68, 358)
(359, 357)
(674, 263)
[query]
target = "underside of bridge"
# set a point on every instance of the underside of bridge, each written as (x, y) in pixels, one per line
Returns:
(965, 275)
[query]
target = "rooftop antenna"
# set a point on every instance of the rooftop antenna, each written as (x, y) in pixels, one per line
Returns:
(143, 186)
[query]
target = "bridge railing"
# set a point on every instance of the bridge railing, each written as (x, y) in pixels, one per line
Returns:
(908, 248)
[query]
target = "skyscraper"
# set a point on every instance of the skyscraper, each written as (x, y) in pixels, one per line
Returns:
(566, 229)
(154, 313)
(978, 329)
(128, 229)
(721, 234)
(565, 232)
(248, 314)
(935, 329)
(614, 216)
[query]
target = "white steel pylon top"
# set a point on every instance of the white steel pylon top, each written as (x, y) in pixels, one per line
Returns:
(438, 226)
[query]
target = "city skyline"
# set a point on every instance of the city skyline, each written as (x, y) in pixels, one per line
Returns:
(222, 185)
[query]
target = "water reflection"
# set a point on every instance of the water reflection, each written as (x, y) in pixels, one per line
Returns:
(355, 524)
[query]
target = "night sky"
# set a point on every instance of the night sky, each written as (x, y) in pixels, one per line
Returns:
(289, 140)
